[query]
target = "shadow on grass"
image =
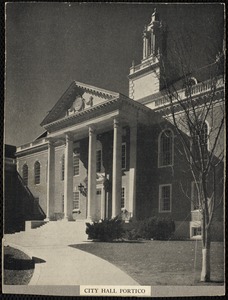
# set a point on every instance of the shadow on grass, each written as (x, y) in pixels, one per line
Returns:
(38, 260)
(12, 263)
(116, 242)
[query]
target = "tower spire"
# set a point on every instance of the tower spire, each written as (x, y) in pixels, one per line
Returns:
(152, 36)
(143, 78)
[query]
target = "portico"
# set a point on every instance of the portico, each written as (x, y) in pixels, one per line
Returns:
(110, 115)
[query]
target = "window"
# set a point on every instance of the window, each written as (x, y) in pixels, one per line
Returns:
(98, 193)
(122, 198)
(165, 191)
(37, 172)
(25, 174)
(76, 204)
(98, 159)
(62, 203)
(62, 167)
(123, 156)
(188, 86)
(200, 141)
(76, 163)
(194, 196)
(196, 231)
(165, 151)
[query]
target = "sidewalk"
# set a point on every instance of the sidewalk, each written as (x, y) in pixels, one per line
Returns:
(59, 264)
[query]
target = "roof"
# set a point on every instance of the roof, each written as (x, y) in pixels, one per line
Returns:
(76, 88)
(102, 108)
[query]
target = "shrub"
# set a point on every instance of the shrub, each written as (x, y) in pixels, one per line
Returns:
(156, 228)
(105, 230)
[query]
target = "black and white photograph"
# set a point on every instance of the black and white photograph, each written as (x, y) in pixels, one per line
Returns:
(114, 149)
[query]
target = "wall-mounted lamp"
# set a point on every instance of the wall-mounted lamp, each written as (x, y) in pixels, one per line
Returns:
(82, 189)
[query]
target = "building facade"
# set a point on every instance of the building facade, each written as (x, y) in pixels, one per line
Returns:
(103, 154)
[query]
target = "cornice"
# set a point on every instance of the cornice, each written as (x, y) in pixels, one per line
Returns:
(95, 111)
(31, 150)
(143, 70)
(76, 88)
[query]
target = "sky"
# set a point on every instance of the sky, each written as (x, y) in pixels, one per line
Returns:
(48, 45)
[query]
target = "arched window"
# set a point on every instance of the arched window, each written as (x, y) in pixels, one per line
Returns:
(62, 167)
(165, 148)
(37, 172)
(188, 86)
(204, 136)
(200, 141)
(25, 174)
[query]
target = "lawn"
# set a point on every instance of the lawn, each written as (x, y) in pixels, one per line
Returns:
(161, 262)
(18, 267)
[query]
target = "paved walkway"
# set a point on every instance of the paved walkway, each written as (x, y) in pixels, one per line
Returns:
(59, 264)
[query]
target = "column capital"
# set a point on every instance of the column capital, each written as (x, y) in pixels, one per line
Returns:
(92, 129)
(117, 122)
(68, 136)
(51, 141)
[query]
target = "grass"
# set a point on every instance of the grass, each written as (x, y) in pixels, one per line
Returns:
(18, 267)
(161, 262)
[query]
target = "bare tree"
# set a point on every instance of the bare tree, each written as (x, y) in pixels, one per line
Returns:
(196, 111)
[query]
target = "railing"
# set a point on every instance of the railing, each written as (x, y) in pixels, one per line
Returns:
(148, 62)
(32, 205)
(34, 143)
(161, 101)
(25, 186)
(205, 86)
(202, 87)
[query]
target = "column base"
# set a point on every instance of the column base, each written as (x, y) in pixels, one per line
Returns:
(68, 219)
(47, 219)
(88, 220)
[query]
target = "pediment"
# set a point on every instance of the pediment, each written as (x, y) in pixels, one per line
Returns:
(78, 97)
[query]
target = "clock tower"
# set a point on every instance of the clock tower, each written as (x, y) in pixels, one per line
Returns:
(144, 78)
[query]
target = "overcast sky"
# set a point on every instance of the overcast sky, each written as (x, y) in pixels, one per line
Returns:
(48, 45)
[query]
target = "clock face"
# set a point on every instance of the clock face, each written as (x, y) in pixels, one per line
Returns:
(77, 105)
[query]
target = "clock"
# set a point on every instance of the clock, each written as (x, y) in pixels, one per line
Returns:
(78, 103)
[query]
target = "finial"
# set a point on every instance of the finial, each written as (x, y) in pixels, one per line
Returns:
(133, 63)
(154, 16)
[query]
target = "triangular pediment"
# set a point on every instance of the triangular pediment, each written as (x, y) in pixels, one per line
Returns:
(78, 97)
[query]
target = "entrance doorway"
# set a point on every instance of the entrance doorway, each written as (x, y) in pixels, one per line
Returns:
(98, 203)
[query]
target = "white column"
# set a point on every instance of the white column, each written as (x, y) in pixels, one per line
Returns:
(68, 177)
(102, 203)
(91, 173)
(116, 169)
(50, 180)
(132, 169)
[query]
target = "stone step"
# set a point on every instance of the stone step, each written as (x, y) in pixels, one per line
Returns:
(56, 229)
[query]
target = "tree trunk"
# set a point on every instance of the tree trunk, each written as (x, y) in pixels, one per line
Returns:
(206, 241)
(205, 273)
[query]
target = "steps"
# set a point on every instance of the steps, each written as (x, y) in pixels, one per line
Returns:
(53, 233)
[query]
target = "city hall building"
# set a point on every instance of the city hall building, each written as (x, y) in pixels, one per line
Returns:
(104, 154)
